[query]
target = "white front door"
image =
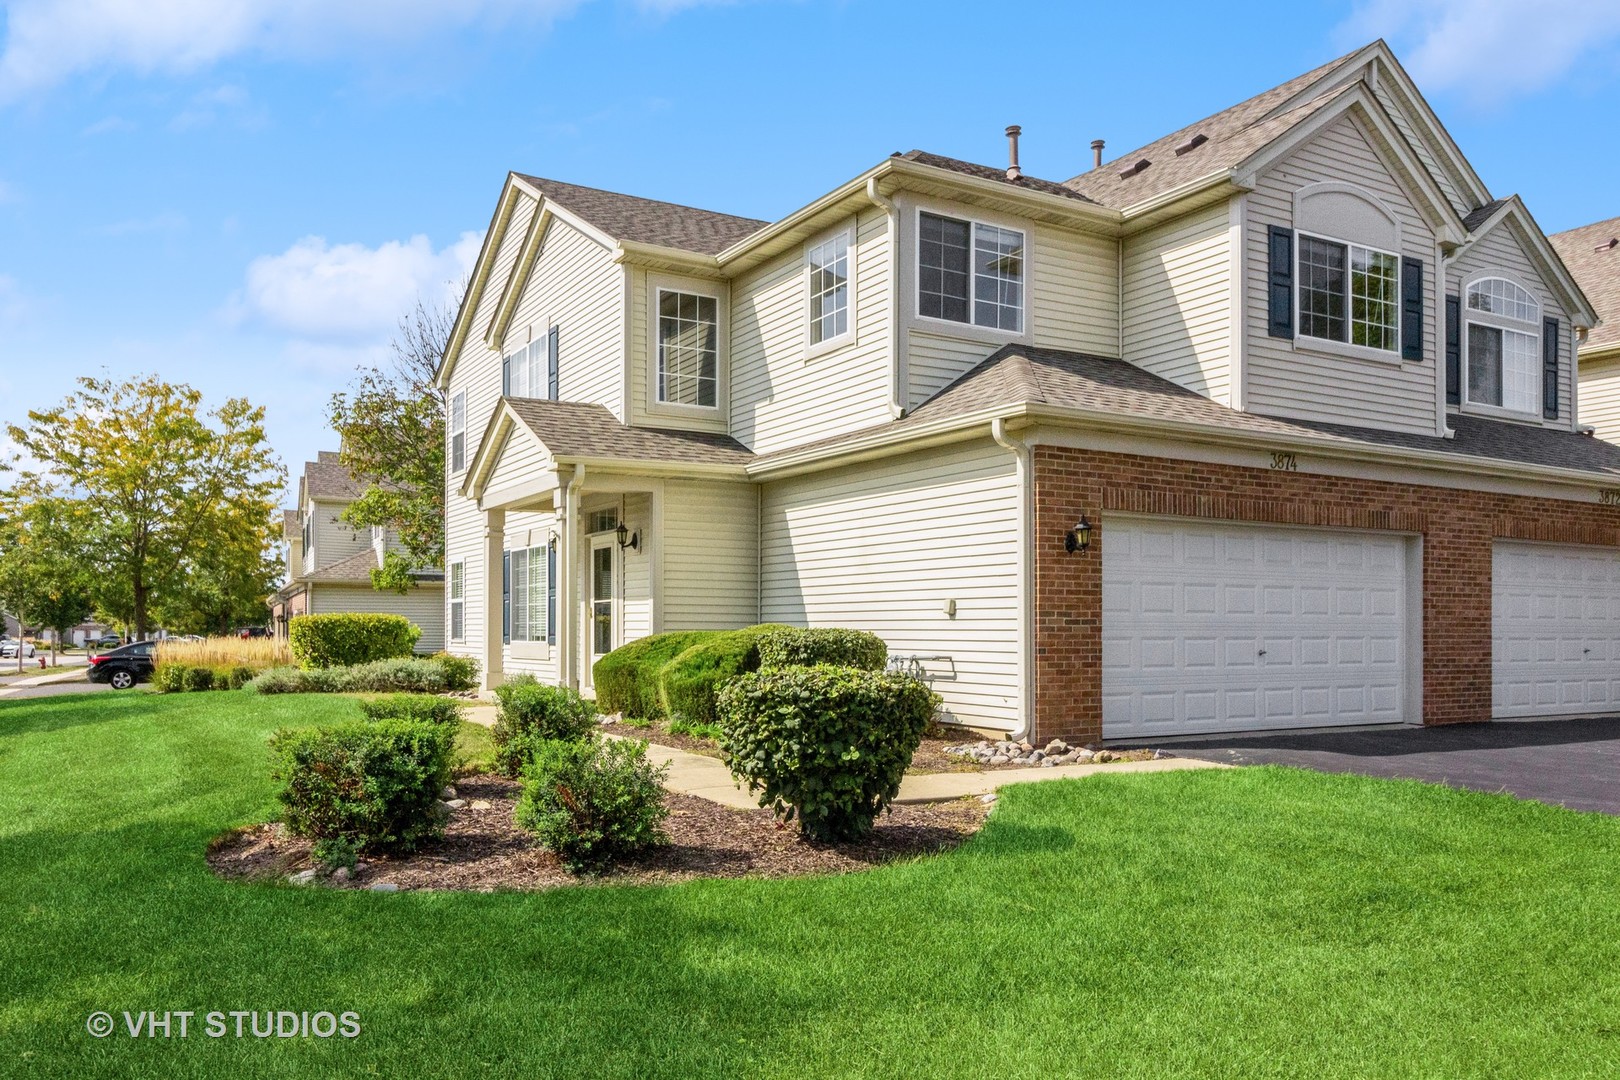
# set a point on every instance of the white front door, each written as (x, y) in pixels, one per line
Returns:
(1555, 630)
(1216, 627)
(604, 596)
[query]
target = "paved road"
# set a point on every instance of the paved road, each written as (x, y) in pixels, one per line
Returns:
(1573, 763)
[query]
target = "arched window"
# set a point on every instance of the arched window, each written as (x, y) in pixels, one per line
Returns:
(1504, 351)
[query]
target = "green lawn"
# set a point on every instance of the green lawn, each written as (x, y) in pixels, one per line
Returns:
(1261, 922)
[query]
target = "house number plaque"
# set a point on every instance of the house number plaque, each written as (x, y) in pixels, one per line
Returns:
(1609, 496)
(1283, 461)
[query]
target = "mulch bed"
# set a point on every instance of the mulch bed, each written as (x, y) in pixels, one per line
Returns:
(483, 850)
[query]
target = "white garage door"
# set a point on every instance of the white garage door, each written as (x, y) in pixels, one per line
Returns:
(1555, 630)
(1210, 627)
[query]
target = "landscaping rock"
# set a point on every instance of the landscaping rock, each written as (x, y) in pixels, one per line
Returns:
(1056, 748)
(342, 875)
(455, 804)
(480, 804)
(303, 877)
(448, 793)
(988, 799)
(385, 886)
(1083, 757)
(1102, 757)
(1160, 755)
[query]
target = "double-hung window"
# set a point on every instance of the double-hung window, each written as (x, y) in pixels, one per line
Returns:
(531, 371)
(529, 588)
(829, 288)
(1349, 293)
(458, 600)
(1504, 354)
(458, 432)
(688, 349)
(970, 272)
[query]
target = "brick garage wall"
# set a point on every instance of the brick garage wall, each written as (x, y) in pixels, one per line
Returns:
(1457, 527)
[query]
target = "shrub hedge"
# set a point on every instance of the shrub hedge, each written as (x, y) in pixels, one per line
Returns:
(173, 678)
(348, 638)
(827, 745)
(425, 707)
(422, 675)
(531, 712)
(593, 801)
(374, 783)
(800, 647)
(689, 682)
(626, 679)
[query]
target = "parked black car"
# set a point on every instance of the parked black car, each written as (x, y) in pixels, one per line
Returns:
(124, 666)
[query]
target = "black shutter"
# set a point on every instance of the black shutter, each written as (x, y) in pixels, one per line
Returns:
(1549, 368)
(1453, 351)
(1282, 281)
(551, 364)
(1411, 309)
(551, 594)
(506, 597)
(506, 375)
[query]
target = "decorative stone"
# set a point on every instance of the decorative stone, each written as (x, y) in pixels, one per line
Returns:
(1160, 755)
(303, 877)
(999, 759)
(480, 804)
(1083, 757)
(448, 793)
(455, 804)
(1057, 747)
(988, 799)
(1103, 757)
(385, 886)
(342, 875)
(1049, 763)
(1037, 755)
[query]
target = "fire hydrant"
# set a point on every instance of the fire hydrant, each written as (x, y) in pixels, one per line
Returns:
(41, 663)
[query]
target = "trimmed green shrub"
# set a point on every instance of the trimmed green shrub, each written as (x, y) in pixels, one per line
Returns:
(374, 783)
(336, 851)
(799, 647)
(626, 679)
(169, 678)
(235, 678)
(827, 745)
(427, 675)
(348, 638)
(174, 678)
(426, 707)
(689, 682)
(531, 711)
(461, 672)
(592, 802)
(197, 678)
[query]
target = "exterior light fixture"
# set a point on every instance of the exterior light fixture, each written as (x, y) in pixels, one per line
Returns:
(1079, 537)
(628, 539)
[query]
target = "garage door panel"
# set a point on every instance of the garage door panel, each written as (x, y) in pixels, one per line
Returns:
(1555, 629)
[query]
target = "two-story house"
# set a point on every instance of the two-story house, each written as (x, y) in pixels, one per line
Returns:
(1267, 424)
(329, 562)
(1592, 253)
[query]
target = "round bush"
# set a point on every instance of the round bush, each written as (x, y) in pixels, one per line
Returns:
(425, 707)
(531, 711)
(592, 802)
(827, 745)
(169, 678)
(348, 638)
(799, 647)
(626, 679)
(198, 678)
(689, 683)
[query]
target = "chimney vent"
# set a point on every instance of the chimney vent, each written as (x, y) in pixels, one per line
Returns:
(1191, 144)
(1013, 171)
(1131, 170)
(1610, 246)
(1096, 153)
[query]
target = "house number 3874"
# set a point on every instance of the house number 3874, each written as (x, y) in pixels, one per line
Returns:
(1283, 461)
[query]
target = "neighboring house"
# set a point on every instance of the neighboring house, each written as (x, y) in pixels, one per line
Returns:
(1293, 386)
(329, 563)
(1592, 253)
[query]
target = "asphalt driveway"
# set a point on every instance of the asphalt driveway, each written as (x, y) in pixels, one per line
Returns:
(1573, 763)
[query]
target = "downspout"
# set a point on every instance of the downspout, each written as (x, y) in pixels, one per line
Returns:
(1026, 592)
(895, 403)
(567, 645)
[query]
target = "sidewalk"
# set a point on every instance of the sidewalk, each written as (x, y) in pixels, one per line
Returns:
(42, 680)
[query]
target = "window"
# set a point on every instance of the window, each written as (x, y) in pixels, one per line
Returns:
(829, 289)
(305, 516)
(458, 600)
(458, 432)
(970, 272)
(688, 349)
(1504, 357)
(530, 583)
(601, 521)
(1349, 293)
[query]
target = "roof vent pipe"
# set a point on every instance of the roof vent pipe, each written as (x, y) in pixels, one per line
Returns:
(1013, 171)
(1096, 153)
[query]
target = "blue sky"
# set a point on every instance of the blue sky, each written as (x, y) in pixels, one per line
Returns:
(246, 194)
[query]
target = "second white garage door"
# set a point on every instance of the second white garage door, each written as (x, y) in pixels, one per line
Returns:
(1555, 629)
(1214, 627)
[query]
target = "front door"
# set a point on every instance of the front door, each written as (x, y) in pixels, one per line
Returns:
(604, 596)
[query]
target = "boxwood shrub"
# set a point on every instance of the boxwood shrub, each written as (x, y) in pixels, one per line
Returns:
(593, 801)
(532, 712)
(827, 745)
(173, 678)
(374, 783)
(799, 647)
(426, 707)
(348, 638)
(421, 675)
(626, 679)
(689, 683)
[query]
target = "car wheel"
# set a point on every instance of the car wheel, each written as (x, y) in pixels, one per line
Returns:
(122, 680)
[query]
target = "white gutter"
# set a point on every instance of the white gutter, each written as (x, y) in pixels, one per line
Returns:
(896, 404)
(1026, 568)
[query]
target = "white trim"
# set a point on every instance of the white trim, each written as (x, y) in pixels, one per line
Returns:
(451, 601)
(970, 330)
(1531, 329)
(1025, 662)
(850, 230)
(1346, 347)
(1237, 234)
(718, 413)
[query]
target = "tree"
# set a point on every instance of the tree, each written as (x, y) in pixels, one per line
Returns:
(392, 431)
(223, 585)
(41, 582)
(149, 488)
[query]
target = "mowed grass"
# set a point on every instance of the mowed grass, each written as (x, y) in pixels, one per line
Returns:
(1262, 922)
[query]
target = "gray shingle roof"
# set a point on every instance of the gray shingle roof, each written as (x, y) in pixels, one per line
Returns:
(290, 525)
(1016, 375)
(1596, 267)
(1481, 214)
(325, 478)
(356, 568)
(582, 429)
(989, 172)
(648, 221)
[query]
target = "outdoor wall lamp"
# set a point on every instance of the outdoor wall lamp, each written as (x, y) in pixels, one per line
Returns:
(1079, 537)
(628, 539)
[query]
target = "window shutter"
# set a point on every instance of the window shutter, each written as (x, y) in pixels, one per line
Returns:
(551, 364)
(1453, 350)
(551, 594)
(506, 598)
(506, 375)
(1282, 281)
(1549, 368)
(1411, 309)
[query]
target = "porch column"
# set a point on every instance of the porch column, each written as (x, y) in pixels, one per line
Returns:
(494, 548)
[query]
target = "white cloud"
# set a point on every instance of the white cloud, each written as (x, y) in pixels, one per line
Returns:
(346, 294)
(1489, 50)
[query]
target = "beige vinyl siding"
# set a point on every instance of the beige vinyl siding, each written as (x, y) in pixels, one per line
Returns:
(423, 605)
(1600, 397)
(332, 540)
(635, 572)
(710, 553)
(883, 546)
(936, 361)
(520, 460)
(575, 285)
(1178, 302)
(1287, 378)
(779, 396)
(478, 374)
(1502, 249)
(1403, 124)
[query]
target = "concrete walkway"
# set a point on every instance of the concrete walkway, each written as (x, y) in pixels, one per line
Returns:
(44, 680)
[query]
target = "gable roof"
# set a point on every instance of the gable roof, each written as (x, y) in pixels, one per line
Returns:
(570, 429)
(1019, 376)
(291, 526)
(1594, 260)
(990, 172)
(648, 221)
(326, 478)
